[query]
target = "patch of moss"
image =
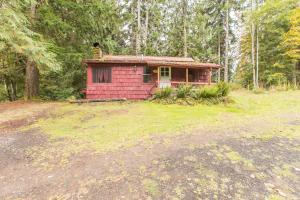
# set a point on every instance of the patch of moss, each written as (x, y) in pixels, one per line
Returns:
(179, 191)
(151, 187)
(275, 197)
(190, 158)
(165, 178)
(233, 156)
(284, 171)
(224, 153)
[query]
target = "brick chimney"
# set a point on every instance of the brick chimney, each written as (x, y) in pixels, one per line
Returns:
(97, 52)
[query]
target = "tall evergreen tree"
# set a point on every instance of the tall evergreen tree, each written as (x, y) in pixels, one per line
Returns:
(17, 37)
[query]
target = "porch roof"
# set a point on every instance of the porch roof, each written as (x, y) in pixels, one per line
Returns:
(152, 61)
(183, 64)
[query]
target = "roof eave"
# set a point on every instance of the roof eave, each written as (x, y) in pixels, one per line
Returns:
(154, 63)
(184, 65)
(98, 61)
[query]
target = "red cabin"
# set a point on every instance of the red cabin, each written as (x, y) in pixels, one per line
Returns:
(136, 77)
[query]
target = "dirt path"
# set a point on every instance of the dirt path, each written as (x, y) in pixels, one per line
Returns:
(259, 159)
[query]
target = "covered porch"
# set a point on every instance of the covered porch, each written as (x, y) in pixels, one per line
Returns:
(173, 74)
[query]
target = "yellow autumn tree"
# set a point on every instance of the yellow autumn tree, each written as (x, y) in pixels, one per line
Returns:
(292, 37)
(291, 41)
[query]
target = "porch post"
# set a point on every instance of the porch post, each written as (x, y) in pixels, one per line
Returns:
(209, 76)
(187, 75)
(158, 75)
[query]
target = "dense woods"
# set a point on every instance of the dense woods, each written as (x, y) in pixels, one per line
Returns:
(43, 42)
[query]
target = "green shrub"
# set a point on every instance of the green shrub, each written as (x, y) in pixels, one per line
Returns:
(184, 91)
(163, 93)
(206, 92)
(187, 95)
(3, 95)
(216, 91)
(223, 89)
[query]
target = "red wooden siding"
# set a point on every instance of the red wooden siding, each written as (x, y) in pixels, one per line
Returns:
(127, 82)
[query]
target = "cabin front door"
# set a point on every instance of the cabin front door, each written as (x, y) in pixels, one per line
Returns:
(165, 77)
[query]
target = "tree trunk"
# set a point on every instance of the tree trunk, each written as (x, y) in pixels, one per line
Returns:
(184, 8)
(13, 90)
(32, 72)
(219, 57)
(295, 72)
(253, 47)
(8, 88)
(257, 56)
(226, 43)
(138, 31)
(31, 80)
(146, 26)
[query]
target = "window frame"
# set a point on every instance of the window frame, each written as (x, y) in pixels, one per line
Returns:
(95, 69)
(165, 71)
(147, 72)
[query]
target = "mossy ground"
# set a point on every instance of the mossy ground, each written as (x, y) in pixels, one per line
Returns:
(111, 125)
(142, 150)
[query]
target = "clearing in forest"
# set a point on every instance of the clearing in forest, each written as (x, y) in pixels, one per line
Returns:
(142, 150)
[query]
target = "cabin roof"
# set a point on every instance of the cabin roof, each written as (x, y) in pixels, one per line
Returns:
(183, 64)
(152, 61)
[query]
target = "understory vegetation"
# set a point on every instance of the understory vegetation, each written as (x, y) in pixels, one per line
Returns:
(189, 95)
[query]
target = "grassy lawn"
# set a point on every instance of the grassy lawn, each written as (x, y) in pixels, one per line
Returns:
(248, 149)
(110, 125)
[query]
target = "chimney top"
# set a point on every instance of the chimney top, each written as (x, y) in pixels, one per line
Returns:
(96, 44)
(97, 52)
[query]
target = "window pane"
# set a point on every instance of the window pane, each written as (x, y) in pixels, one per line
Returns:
(146, 78)
(165, 71)
(101, 74)
(147, 75)
(147, 70)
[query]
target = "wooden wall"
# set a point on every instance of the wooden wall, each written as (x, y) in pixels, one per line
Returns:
(127, 82)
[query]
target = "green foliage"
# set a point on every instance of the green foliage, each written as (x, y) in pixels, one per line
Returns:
(57, 39)
(291, 39)
(61, 33)
(223, 89)
(17, 36)
(207, 92)
(163, 93)
(276, 79)
(187, 95)
(184, 90)
(2, 93)
(19, 44)
(276, 22)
